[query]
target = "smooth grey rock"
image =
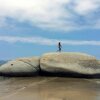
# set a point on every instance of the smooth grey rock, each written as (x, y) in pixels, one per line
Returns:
(69, 62)
(20, 67)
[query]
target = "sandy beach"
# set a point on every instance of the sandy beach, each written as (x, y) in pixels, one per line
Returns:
(49, 88)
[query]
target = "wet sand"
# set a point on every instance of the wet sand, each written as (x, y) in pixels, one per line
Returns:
(49, 88)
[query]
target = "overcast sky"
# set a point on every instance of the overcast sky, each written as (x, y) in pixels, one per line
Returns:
(34, 27)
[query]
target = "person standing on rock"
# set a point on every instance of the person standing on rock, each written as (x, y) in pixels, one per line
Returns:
(59, 46)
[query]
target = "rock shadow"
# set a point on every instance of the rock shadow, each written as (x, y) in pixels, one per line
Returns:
(69, 75)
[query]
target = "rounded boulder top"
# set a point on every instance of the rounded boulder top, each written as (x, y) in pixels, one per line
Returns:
(69, 62)
(21, 67)
(68, 56)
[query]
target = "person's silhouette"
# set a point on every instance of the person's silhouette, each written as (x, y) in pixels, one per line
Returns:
(59, 46)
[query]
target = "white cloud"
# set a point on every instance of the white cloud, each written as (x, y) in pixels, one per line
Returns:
(86, 6)
(53, 14)
(46, 41)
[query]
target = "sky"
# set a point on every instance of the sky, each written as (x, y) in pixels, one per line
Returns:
(33, 27)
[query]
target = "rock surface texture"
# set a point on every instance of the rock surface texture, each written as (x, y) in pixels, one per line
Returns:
(69, 62)
(21, 67)
(66, 63)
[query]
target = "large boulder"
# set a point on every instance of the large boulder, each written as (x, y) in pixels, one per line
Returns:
(69, 63)
(21, 67)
